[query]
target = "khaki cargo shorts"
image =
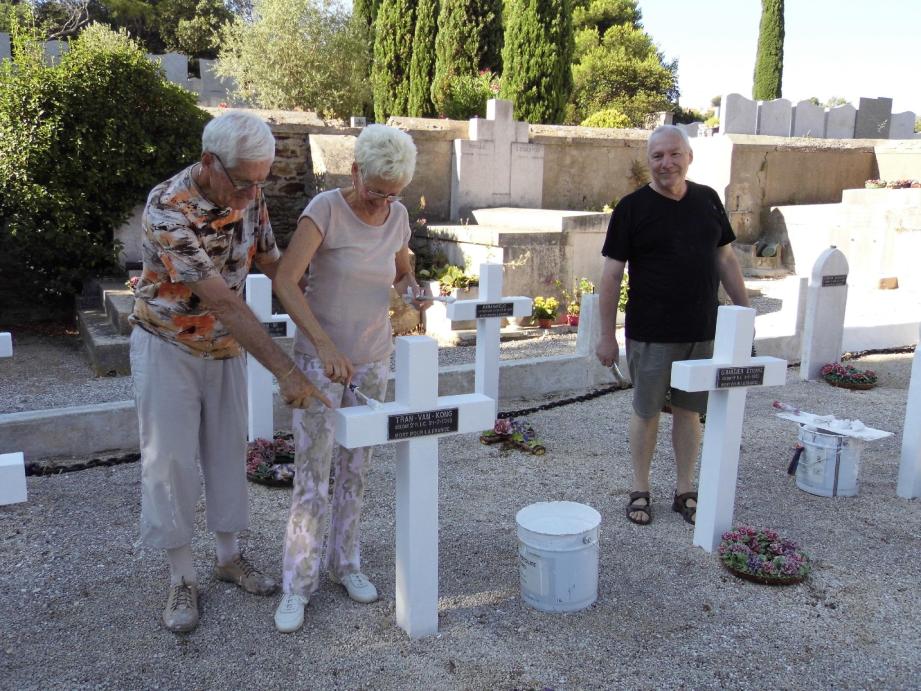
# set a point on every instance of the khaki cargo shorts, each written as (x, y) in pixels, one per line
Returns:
(651, 372)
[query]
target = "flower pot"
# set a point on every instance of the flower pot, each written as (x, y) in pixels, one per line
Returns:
(572, 319)
(545, 323)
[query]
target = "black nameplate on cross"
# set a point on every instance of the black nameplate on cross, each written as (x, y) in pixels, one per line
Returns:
(422, 424)
(834, 280)
(729, 377)
(276, 329)
(494, 309)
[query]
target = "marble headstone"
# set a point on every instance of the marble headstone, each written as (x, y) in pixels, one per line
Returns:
(775, 117)
(808, 120)
(839, 122)
(874, 116)
(738, 115)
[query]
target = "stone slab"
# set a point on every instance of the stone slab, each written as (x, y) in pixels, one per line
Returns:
(738, 115)
(874, 117)
(6, 344)
(775, 117)
(902, 125)
(840, 121)
(808, 120)
(550, 220)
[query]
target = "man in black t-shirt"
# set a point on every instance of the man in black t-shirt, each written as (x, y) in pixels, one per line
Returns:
(675, 236)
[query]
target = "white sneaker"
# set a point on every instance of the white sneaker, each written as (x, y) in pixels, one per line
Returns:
(289, 616)
(359, 587)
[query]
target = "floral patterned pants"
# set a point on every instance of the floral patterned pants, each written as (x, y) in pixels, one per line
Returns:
(315, 452)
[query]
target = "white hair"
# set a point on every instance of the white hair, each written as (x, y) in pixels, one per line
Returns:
(669, 129)
(385, 153)
(237, 136)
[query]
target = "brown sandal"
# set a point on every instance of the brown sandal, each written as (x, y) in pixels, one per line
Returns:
(632, 507)
(680, 505)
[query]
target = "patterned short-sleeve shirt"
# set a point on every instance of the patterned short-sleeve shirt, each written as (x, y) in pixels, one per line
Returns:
(189, 239)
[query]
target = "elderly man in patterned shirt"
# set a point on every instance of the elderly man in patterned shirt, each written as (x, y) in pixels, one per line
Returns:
(203, 229)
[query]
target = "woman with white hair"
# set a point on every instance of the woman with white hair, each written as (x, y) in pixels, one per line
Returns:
(354, 244)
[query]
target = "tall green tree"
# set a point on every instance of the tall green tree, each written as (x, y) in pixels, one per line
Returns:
(469, 40)
(768, 80)
(617, 65)
(422, 64)
(393, 49)
(537, 59)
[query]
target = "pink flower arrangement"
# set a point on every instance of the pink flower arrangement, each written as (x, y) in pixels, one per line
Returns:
(271, 462)
(837, 375)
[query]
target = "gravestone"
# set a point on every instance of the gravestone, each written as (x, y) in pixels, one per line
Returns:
(358, 121)
(873, 118)
(840, 121)
(775, 117)
(496, 166)
(909, 484)
(738, 115)
(54, 50)
(214, 89)
(260, 387)
(727, 376)
(488, 309)
(174, 65)
(12, 465)
(902, 125)
(414, 421)
(826, 299)
(808, 120)
(5, 53)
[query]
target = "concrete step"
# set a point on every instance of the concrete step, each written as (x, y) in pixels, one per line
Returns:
(119, 304)
(106, 347)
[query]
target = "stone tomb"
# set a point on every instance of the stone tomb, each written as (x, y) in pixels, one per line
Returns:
(826, 300)
(727, 376)
(488, 309)
(909, 484)
(413, 422)
(12, 465)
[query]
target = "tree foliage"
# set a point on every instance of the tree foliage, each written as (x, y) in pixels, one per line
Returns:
(768, 79)
(537, 59)
(422, 65)
(619, 67)
(81, 143)
(299, 54)
(393, 50)
(469, 40)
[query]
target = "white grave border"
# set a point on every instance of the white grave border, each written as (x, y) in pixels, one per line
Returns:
(12, 465)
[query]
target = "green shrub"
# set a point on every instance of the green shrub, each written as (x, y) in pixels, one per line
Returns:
(81, 143)
(609, 117)
(467, 95)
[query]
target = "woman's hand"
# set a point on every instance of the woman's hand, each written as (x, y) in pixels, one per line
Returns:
(336, 366)
(408, 286)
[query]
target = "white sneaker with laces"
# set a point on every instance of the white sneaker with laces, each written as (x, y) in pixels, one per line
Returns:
(358, 586)
(289, 616)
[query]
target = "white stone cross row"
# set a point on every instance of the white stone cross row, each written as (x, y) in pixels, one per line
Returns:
(488, 311)
(414, 421)
(259, 386)
(12, 465)
(727, 376)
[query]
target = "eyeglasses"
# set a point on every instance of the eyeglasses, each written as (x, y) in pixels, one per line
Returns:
(240, 186)
(379, 195)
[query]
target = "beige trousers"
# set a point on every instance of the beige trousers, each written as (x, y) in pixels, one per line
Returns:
(191, 411)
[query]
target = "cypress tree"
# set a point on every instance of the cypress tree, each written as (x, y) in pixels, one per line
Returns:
(769, 59)
(422, 66)
(469, 40)
(393, 43)
(537, 59)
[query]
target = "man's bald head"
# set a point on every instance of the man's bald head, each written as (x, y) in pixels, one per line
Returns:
(668, 131)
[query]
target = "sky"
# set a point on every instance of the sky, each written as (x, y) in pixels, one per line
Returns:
(847, 48)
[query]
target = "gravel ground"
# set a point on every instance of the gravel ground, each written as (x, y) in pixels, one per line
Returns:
(80, 601)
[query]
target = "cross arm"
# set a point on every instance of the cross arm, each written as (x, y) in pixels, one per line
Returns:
(463, 310)
(702, 375)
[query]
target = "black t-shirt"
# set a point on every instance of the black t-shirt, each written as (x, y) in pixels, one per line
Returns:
(670, 247)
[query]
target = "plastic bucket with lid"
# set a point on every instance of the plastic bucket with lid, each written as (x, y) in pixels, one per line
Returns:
(829, 464)
(558, 555)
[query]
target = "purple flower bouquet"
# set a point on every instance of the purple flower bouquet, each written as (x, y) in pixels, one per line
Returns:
(763, 556)
(271, 462)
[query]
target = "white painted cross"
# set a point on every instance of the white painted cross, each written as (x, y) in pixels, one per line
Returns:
(488, 310)
(12, 465)
(826, 299)
(726, 376)
(909, 485)
(259, 385)
(414, 421)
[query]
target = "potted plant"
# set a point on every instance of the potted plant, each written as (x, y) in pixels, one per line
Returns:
(574, 299)
(763, 556)
(545, 311)
(848, 377)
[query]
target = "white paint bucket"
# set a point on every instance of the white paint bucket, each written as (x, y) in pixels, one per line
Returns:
(829, 464)
(558, 555)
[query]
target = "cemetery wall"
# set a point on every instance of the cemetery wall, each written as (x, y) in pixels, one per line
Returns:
(899, 160)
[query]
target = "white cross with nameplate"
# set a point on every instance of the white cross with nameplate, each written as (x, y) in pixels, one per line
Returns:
(727, 376)
(12, 465)
(414, 421)
(909, 484)
(488, 310)
(259, 386)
